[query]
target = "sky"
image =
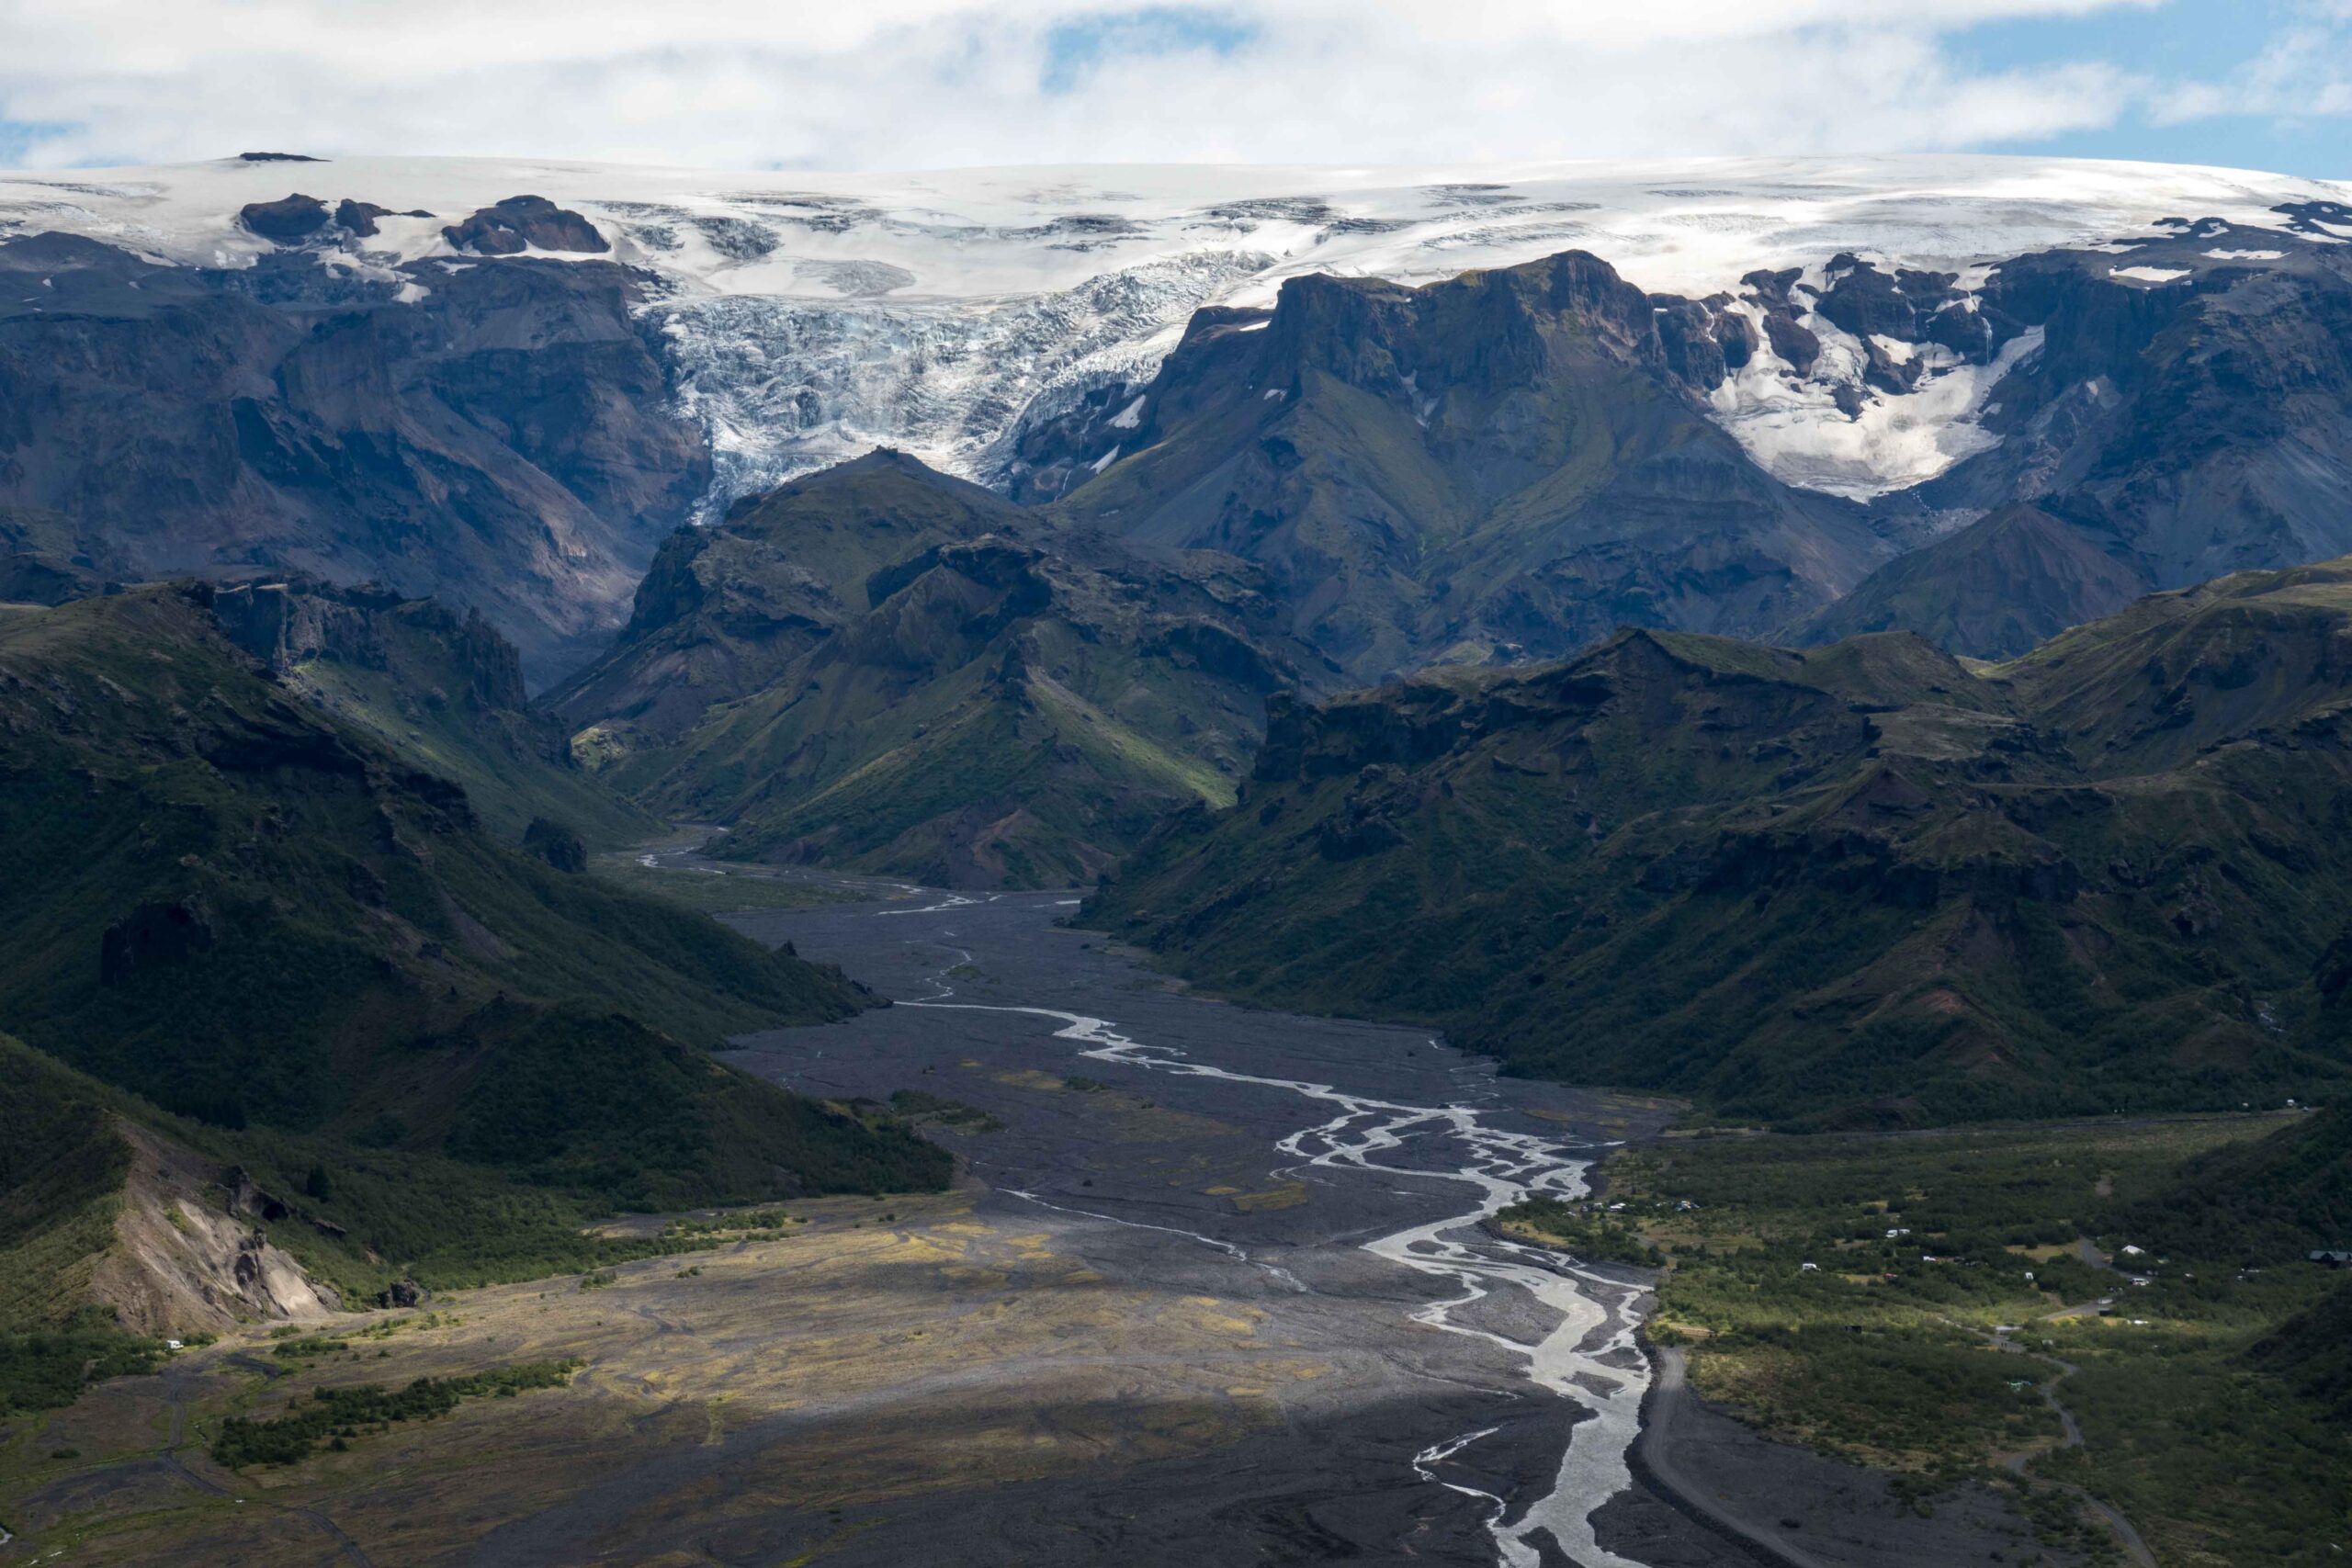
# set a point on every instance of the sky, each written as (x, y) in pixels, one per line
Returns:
(932, 84)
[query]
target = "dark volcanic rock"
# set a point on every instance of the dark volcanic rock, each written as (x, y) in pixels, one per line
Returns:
(287, 221)
(151, 936)
(1735, 335)
(250, 1198)
(1796, 343)
(431, 683)
(521, 222)
(290, 622)
(279, 158)
(400, 1294)
(556, 844)
(360, 217)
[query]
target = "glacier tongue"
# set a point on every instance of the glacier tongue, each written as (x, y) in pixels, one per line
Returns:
(786, 385)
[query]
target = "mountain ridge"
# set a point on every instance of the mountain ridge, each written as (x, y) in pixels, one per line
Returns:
(1858, 884)
(373, 400)
(882, 667)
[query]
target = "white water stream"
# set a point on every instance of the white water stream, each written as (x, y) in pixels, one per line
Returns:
(1589, 1357)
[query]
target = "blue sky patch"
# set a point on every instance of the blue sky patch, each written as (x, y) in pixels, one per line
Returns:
(1075, 50)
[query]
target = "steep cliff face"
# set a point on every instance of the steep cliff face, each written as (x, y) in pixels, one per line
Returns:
(493, 433)
(1856, 882)
(444, 690)
(1501, 466)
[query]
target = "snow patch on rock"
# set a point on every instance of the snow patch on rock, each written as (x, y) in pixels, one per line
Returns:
(1796, 431)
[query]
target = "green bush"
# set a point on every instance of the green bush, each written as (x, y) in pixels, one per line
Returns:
(341, 1414)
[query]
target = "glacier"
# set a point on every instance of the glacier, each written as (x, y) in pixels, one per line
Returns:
(808, 317)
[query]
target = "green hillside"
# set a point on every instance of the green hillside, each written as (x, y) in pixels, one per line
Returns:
(882, 668)
(222, 901)
(1863, 882)
(444, 691)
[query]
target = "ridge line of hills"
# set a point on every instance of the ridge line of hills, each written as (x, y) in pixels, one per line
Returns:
(1853, 885)
(296, 1024)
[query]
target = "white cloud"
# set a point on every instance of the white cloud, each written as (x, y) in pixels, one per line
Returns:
(930, 83)
(2302, 71)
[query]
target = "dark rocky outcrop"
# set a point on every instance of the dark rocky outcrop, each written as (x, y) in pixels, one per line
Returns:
(426, 679)
(154, 936)
(358, 218)
(556, 844)
(289, 221)
(250, 1200)
(294, 620)
(402, 1293)
(525, 222)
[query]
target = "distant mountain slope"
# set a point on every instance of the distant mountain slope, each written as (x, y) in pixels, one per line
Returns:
(2185, 415)
(45, 558)
(217, 897)
(725, 609)
(1504, 465)
(1996, 589)
(493, 434)
(1858, 883)
(883, 668)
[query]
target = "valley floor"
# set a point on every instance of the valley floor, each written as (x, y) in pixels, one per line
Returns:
(1211, 1290)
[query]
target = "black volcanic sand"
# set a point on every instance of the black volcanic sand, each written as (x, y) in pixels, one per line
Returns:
(1163, 1194)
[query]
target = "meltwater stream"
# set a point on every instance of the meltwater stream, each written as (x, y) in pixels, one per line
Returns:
(1589, 1357)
